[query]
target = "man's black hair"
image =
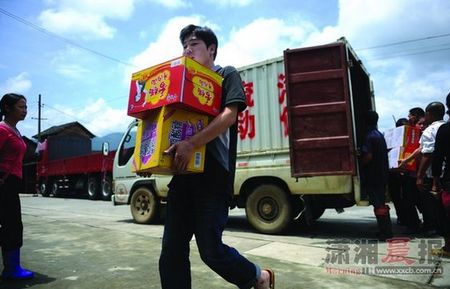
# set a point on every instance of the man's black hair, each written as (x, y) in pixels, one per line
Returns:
(401, 121)
(203, 33)
(417, 112)
(436, 109)
(371, 118)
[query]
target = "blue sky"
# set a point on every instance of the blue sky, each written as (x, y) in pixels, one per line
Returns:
(79, 54)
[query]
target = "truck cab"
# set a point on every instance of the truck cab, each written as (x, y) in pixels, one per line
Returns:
(146, 196)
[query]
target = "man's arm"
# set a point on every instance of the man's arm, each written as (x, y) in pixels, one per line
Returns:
(412, 156)
(185, 149)
(425, 162)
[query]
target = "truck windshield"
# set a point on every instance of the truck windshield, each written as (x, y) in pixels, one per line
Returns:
(127, 147)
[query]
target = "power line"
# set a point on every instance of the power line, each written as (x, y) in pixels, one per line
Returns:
(68, 41)
(63, 112)
(400, 54)
(405, 41)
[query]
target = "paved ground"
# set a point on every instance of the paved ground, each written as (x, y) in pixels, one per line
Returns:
(81, 244)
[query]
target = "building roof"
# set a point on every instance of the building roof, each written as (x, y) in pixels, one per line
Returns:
(67, 128)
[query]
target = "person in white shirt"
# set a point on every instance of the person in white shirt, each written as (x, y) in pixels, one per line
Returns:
(434, 115)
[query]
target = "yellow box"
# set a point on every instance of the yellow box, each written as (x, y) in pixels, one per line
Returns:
(162, 128)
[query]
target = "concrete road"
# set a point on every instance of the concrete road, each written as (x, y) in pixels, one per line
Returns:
(72, 243)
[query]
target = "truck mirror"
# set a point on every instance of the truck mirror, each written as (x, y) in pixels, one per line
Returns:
(105, 148)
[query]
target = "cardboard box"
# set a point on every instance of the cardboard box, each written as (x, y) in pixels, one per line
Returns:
(402, 136)
(164, 127)
(182, 82)
(396, 154)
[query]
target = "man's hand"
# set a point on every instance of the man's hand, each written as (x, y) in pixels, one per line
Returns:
(183, 153)
(402, 164)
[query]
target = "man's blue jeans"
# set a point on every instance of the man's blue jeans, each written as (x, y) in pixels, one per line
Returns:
(198, 206)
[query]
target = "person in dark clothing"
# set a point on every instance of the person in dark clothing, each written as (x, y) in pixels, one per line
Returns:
(374, 175)
(441, 182)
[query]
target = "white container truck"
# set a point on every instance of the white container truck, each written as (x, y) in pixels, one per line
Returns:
(297, 142)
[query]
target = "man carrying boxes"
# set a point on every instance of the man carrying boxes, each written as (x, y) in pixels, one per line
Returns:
(197, 203)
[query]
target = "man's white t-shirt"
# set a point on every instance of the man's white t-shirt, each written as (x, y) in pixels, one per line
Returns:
(428, 139)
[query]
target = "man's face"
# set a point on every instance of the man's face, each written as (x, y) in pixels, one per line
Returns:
(412, 119)
(196, 49)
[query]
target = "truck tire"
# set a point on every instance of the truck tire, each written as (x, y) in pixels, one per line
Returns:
(93, 188)
(44, 189)
(55, 190)
(143, 206)
(106, 189)
(268, 209)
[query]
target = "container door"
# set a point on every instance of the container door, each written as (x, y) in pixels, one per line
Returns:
(320, 118)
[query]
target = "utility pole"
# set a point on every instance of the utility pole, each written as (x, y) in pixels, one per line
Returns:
(39, 118)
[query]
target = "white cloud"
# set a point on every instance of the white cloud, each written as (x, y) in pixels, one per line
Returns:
(230, 3)
(18, 84)
(259, 40)
(165, 47)
(88, 19)
(72, 71)
(63, 63)
(76, 23)
(172, 3)
(404, 75)
(85, 18)
(262, 39)
(98, 117)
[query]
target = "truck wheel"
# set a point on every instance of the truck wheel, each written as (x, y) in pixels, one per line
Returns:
(106, 189)
(55, 191)
(268, 209)
(93, 188)
(143, 206)
(44, 190)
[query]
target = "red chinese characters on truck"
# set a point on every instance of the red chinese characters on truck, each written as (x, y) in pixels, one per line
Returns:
(247, 120)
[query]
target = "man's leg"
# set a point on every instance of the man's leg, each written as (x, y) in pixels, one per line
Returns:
(411, 199)
(174, 264)
(211, 217)
(429, 208)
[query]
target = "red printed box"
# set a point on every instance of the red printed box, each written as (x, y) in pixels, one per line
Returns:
(181, 82)
(402, 136)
